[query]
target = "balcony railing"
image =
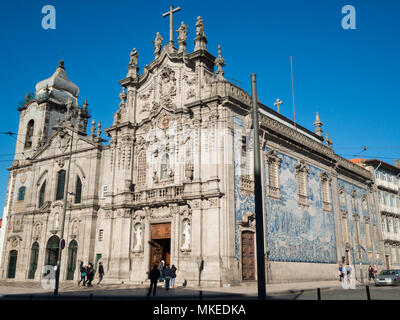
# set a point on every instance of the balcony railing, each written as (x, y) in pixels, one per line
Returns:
(391, 236)
(386, 184)
(389, 209)
(160, 194)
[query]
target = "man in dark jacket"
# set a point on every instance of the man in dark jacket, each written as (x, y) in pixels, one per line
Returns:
(154, 275)
(101, 273)
(89, 274)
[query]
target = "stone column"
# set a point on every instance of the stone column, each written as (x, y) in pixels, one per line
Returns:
(340, 250)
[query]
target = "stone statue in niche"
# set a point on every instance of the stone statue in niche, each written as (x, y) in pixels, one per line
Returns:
(38, 229)
(138, 237)
(186, 234)
(75, 227)
(56, 221)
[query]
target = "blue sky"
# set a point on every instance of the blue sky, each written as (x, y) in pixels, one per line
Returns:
(351, 77)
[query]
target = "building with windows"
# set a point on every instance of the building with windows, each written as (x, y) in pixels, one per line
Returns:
(175, 182)
(387, 182)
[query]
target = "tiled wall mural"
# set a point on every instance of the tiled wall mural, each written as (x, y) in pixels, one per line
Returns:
(294, 234)
(298, 234)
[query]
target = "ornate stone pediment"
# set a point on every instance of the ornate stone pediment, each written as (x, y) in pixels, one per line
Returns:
(161, 212)
(248, 220)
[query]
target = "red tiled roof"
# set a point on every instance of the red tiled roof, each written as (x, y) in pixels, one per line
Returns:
(1, 222)
(357, 160)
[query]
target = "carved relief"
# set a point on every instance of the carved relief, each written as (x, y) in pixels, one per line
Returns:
(161, 212)
(248, 220)
(16, 223)
(167, 86)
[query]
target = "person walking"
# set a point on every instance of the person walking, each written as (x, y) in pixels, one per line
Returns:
(173, 275)
(82, 271)
(89, 274)
(101, 273)
(161, 270)
(167, 275)
(371, 273)
(341, 274)
(154, 276)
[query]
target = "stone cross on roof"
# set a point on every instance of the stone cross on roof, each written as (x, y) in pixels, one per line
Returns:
(278, 105)
(171, 27)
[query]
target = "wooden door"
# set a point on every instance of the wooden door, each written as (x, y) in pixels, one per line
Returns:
(155, 253)
(248, 259)
(387, 262)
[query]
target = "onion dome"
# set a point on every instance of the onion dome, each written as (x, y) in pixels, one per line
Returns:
(59, 86)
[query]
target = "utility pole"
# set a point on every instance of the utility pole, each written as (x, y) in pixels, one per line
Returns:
(64, 211)
(258, 195)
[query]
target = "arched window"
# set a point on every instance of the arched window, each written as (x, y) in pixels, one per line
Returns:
(60, 185)
(21, 194)
(42, 193)
(29, 134)
(164, 168)
(78, 190)
(141, 168)
(34, 260)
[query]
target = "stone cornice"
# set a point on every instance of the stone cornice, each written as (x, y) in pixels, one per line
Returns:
(274, 126)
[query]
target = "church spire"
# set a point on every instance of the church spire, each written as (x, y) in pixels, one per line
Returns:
(220, 62)
(318, 125)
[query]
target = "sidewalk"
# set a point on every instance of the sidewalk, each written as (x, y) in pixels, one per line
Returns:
(277, 288)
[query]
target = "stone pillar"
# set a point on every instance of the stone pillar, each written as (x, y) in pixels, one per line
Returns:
(340, 249)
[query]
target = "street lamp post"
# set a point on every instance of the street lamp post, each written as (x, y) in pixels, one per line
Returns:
(64, 211)
(258, 195)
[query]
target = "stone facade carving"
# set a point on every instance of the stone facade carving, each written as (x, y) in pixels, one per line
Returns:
(158, 45)
(167, 86)
(186, 234)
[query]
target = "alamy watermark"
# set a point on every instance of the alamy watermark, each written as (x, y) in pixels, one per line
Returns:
(349, 20)
(49, 20)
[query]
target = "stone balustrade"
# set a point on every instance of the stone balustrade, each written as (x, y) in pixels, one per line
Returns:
(159, 194)
(386, 184)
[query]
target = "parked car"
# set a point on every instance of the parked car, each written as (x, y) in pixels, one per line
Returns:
(388, 278)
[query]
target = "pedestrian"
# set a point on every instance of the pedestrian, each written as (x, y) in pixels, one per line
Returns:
(161, 270)
(89, 274)
(167, 275)
(101, 273)
(370, 273)
(82, 271)
(173, 275)
(154, 276)
(341, 274)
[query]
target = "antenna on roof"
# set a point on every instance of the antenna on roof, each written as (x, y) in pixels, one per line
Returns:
(294, 109)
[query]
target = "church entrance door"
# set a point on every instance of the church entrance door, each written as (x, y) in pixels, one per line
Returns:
(12, 264)
(248, 259)
(160, 244)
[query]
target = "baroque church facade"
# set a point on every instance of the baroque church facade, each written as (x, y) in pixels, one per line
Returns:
(175, 182)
